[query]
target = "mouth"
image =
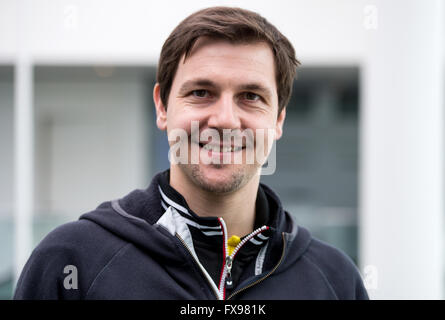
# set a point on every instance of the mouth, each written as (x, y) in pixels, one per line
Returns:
(220, 148)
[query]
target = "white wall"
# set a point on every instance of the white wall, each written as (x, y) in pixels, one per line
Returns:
(402, 151)
(104, 30)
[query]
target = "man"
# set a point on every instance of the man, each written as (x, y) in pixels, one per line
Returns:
(206, 228)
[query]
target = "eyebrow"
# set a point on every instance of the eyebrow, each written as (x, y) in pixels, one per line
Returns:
(191, 84)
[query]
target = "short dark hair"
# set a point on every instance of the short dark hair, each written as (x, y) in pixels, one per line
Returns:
(235, 25)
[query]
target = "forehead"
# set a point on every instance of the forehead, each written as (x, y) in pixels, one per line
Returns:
(222, 61)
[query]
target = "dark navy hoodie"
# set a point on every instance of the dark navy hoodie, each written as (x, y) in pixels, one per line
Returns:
(147, 245)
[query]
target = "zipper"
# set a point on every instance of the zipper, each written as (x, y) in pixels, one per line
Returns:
(226, 274)
(266, 276)
(211, 284)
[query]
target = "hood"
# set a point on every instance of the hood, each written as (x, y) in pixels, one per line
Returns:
(134, 218)
(294, 238)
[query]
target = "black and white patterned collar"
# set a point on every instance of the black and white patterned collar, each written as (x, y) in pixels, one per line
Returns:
(210, 226)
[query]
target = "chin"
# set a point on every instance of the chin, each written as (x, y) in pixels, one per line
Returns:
(218, 178)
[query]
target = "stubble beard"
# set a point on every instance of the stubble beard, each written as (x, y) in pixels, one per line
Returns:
(239, 177)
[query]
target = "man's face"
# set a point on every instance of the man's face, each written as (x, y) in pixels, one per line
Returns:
(227, 88)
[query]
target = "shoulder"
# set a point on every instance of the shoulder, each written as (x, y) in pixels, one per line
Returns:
(82, 245)
(78, 237)
(337, 268)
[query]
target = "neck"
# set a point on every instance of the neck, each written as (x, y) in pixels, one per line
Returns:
(237, 208)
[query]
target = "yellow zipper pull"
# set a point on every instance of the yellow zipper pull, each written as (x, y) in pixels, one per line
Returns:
(232, 243)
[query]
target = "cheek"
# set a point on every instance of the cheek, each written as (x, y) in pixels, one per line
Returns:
(261, 123)
(186, 120)
(264, 130)
(176, 119)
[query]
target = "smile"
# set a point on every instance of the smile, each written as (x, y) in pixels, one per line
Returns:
(220, 148)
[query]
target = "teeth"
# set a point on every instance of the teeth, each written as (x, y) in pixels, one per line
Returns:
(215, 148)
(211, 148)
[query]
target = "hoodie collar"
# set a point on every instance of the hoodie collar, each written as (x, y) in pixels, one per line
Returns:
(209, 226)
(135, 217)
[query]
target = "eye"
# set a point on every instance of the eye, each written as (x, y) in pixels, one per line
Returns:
(251, 96)
(200, 93)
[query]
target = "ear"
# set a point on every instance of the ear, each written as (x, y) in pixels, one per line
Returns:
(279, 124)
(161, 111)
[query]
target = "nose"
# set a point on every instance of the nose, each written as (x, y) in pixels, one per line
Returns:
(224, 114)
